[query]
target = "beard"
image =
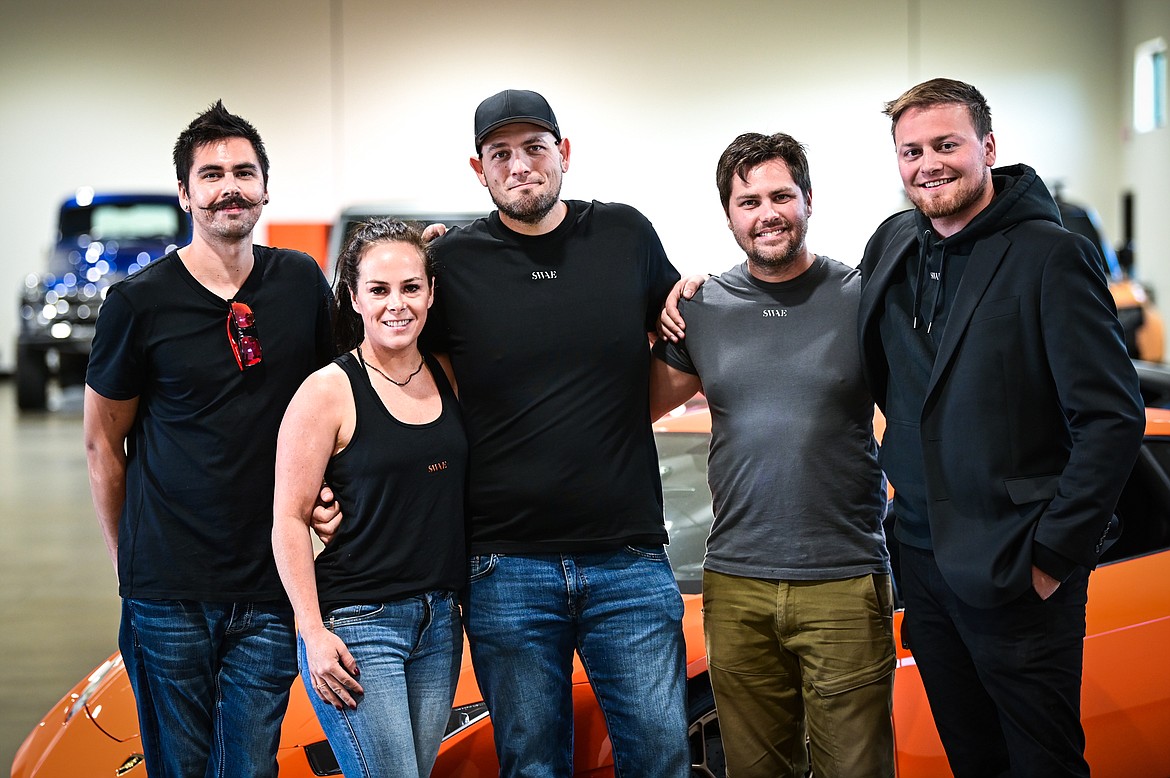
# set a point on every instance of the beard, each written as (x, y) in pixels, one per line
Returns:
(528, 208)
(234, 229)
(783, 257)
(964, 196)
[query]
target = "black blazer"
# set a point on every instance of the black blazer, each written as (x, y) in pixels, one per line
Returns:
(1032, 418)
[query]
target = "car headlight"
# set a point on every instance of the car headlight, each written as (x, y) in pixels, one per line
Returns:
(95, 678)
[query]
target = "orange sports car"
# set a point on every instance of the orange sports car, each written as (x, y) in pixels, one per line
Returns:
(93, 730)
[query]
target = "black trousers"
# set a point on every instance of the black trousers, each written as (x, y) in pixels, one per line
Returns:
(1004, 684)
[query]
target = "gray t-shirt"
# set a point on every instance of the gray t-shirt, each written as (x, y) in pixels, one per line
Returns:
(793, 462)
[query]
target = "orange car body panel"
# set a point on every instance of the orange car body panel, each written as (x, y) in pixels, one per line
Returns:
(1128, 628)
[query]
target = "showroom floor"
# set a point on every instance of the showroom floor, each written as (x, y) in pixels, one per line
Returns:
(59, 603)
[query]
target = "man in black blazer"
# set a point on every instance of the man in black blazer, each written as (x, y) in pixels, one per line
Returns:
(991, 343)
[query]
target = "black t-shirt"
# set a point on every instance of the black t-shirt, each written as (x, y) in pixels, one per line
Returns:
(401, 488)
(197, 521)
(548, 339)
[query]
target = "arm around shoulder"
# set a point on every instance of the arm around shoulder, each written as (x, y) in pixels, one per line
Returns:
(671, 324)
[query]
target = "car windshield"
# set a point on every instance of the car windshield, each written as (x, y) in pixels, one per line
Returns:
(124, 222)
(682, 462)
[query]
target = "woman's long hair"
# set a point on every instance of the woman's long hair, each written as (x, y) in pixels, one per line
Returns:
(348, 329)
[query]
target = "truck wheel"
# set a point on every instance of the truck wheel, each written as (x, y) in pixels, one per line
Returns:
(32, 378)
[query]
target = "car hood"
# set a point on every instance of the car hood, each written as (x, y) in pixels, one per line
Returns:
(94, 723)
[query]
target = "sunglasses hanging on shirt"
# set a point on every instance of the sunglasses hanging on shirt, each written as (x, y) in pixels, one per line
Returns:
(242, 335)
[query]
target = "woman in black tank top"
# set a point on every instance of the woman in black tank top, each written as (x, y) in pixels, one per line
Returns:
(380, 639)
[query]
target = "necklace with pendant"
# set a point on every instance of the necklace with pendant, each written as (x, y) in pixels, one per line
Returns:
(417, 370)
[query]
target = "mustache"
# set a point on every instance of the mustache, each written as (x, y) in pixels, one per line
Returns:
(779, 225)
(235, 201)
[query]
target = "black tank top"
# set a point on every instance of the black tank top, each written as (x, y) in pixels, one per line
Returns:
(401, 490)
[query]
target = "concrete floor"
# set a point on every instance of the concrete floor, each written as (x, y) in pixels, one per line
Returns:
(59, 603)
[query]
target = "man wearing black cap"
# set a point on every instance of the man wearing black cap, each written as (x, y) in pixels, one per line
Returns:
(543, 309)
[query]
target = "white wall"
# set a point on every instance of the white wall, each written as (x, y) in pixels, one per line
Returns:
(365, 100)
(1146, 167)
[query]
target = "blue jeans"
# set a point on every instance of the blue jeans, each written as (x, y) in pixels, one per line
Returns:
(211, 681)
(408, 653)
(622, 612)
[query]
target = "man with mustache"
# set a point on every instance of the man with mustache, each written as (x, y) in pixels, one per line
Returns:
(797, 600)
(194, 360)
(990, 341)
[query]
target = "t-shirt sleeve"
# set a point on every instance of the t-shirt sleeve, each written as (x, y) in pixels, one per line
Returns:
(661, 277)
(115, 368)
(325, 345)
(675, 355)
(436, 337)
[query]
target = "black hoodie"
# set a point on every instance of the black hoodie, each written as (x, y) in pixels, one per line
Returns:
(919, 301)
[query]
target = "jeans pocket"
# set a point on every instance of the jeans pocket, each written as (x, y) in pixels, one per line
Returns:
(352, 614)
(652, 553)
(480, 566)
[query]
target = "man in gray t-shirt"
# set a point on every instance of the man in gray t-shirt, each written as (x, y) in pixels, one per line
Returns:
(796, 591)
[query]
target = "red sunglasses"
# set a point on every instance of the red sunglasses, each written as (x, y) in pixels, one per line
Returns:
(242, 335)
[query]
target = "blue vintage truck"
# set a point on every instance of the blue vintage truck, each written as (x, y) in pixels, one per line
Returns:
(101, 238)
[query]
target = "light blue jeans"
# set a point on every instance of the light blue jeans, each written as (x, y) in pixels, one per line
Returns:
(408, 653)
(622, 612)
(211, 682)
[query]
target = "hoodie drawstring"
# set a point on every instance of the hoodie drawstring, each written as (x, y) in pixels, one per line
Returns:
(924, 251)
(940, 289)
(923, 254)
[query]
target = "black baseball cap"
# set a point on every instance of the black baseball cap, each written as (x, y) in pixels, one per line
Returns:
(510, 107)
